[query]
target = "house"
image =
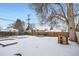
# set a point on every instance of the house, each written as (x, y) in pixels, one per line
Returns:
(77, 27)
(9, 30)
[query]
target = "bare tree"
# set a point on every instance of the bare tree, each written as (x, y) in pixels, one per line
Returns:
(66, 12)
(10, 25)
(19, 25)
(71, 24)
(1, 28)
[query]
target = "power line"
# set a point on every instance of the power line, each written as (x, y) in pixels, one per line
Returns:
(4, 19)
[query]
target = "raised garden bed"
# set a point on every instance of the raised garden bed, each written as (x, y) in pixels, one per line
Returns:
(4, 45)
(5, 39)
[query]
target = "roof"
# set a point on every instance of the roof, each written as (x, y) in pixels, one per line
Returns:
(9, 30)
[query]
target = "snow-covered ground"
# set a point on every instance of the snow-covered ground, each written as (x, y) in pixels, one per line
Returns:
(38, 46)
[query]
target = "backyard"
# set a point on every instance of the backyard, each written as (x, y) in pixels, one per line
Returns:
(37, 46)
(39, 29)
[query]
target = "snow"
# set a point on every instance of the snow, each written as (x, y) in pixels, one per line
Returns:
(42, 27)
(39, 46)
(12, 30)
(9, 30)
(7, 42)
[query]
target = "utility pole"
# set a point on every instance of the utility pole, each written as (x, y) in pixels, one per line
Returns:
(28, 27)
(28, 19)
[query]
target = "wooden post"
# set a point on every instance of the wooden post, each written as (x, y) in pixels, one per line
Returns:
(62, 40)
(59, 39)
(65, 40)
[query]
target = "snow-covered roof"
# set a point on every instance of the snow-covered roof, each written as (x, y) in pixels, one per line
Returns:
(13, 30)
(55, 29)
(9, 30)
(43, 28)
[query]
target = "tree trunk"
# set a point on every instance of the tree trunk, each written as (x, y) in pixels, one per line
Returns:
(71, 24)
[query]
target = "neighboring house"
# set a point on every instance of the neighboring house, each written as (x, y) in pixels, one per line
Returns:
(9, 30)
(77, 27)
(42, 28)
(29, 28)
(12, 30)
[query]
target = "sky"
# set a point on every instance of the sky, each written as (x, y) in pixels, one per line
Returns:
(13, 11)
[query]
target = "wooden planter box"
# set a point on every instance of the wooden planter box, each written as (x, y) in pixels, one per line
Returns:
(62, 40)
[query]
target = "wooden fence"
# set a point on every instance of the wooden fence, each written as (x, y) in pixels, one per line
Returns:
(54, 34)
(62, 36)
(7, 34)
